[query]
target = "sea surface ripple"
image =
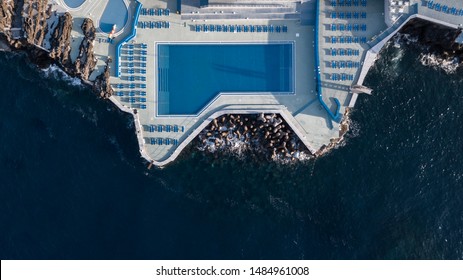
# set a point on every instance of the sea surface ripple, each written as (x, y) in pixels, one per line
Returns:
(72, 184)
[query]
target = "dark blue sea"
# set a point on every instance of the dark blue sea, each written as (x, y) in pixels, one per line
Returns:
(73, 186)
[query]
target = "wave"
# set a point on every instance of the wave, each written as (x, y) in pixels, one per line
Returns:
(449, 65)
(57, 73)
(241, 148)
(427, 58)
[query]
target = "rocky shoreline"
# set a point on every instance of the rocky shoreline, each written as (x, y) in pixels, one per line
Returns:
(439, 41)
(45, 36)
(32, 27)
(267, 134)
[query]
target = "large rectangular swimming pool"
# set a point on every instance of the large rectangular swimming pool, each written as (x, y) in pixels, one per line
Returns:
(190, 76)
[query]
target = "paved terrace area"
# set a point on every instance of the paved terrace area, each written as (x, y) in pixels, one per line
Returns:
(301, 110)
(345, 34)
(345, 27)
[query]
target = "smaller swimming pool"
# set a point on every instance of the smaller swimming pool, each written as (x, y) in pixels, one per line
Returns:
(74, 3)
(115, 13)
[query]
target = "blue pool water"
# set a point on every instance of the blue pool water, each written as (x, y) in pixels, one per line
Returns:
(190, 76)
(74, 3)
(114, 13)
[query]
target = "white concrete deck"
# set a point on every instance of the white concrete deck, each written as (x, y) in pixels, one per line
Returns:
(301, 110)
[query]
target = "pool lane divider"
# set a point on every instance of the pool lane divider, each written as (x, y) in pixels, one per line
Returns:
(336, 116)
(132, 35)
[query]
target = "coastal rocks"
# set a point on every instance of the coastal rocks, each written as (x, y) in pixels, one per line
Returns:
(86, 61)
(441, 49)
(101, 85)
(438, 37)
(336, 142)
(35, 15)
(61, 42)
(45, 36)
(6, 14)
(266, 134)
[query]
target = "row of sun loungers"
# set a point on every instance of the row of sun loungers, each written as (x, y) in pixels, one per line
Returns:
(133, 99)
(166, 128)
(163, 141)
(347, 40)
(131, 58)
(344, 52)
(139, 106)
(132, 64)
(132, 52)
(444, 8)
(131, 86)
(348, 3)
(153, 24)
(239, 28)
(139, 71)
(342, 77)
(130, 93)
(349, 27)
(345, 64)
(133, 46)
(136, 78)
(154, 12)
(348, 15)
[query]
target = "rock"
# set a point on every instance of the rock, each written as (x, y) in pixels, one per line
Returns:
(102, 85)
(61, 43)
(86, 61)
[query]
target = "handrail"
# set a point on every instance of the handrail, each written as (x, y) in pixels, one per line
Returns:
(128, 38)
(336, 116)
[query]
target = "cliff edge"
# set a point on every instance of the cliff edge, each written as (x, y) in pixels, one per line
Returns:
(44, 34)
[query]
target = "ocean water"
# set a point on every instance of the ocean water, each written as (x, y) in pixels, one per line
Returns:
(73, 186)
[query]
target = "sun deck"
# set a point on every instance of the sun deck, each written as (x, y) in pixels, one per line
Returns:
(334, 44)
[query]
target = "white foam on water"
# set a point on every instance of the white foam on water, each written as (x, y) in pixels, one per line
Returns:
(449, 66)
(57, 73)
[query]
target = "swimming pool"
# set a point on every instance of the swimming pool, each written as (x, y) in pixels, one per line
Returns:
(190, 76)
(115, 13)
(74, 3)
